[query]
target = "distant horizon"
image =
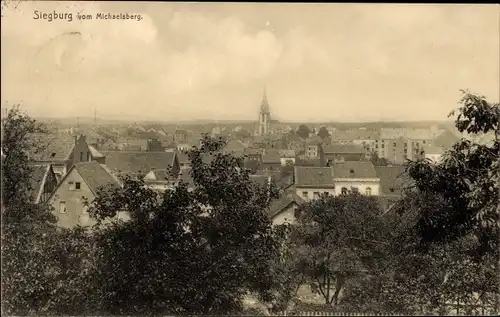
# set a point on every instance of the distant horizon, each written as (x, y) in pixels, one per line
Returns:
(211, 61)
(91, 119)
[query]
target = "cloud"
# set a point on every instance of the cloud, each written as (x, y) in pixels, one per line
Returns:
(194, 52)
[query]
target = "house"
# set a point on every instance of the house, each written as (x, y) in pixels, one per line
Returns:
(446, 139)
(393, 180)
(433, 153)
(79, 187)
(313, 146)
(160, 179)
(140, 163)
(310, 182)
(356, 176)
(43, 181)
(296, 144)
(271, 160)
(282, 210)
(61, 151)
(396, 150)
(180, 136)
(235, 147)
(343, 152)
(132, 144)
(363, 137)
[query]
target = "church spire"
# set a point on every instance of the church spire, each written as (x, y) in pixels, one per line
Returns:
(264, 106)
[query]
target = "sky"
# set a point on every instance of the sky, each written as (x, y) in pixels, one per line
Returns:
(184, 61)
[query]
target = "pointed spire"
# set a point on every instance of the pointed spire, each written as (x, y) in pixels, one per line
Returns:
(264, 106)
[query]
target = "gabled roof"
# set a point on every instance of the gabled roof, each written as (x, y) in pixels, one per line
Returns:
(138, 162)
(96, 175)
(446, 139)
(271, 157)
(282, 203)
(344, 149)
(314, 176)
(55, 147)
(160, 175)
(95, 153)
(354, 169)
(37, 179)
(186, 177)
(392, 179)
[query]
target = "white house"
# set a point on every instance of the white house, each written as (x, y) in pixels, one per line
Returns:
(310, 182)
(357, 176)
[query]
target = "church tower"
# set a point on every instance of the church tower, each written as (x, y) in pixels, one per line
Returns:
(264, 116)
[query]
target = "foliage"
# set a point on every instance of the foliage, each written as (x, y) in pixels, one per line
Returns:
(378, 161)
(40, 264)
(303, 131)
(188, 251)
(287, 169)
(323, 133)
(340, 240)
(467, 181)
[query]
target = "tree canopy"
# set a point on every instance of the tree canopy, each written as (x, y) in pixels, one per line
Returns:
(303, 131)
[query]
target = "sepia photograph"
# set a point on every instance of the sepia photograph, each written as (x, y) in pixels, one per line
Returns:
(249, 159)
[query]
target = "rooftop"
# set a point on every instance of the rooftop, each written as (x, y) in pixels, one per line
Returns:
(138, 162)
(314, 176)
(344, 149)
(96, 175)
(354, 169)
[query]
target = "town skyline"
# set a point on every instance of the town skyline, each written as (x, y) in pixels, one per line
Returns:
(210, 62)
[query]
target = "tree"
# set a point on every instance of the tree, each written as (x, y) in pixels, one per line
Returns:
(303, 131)
(41, 266)
(186, 251)
(456, 203)
(341, 240)
(378, 161)
(242, 134)
(323, 133)
(467, 180)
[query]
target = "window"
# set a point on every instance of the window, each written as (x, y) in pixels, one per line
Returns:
(316, 195)
(368, 191)
(344, 191)
(305, 194)
(391, 189)
(77, 185)
(383, 145)
(376, 146)
(62, 207)
(406, 145)
(394, 144)
(354, 189)
(71, 185)
(406, 151)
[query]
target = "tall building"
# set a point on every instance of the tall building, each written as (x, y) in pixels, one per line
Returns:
(264, 116)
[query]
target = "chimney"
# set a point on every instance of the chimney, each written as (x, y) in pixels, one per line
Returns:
(351, 172)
